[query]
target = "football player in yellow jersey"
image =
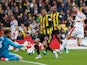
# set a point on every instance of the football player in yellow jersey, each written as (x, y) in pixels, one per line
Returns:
(42, 32)
(44, 22)
(45, 25)
(56, 20)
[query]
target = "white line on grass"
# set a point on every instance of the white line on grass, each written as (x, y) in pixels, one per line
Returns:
(30, 62)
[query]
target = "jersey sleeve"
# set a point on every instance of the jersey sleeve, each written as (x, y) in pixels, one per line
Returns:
(1, 38)
(10, 42)
(84, 16)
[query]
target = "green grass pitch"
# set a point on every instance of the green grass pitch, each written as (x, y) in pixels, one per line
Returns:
(75, 57)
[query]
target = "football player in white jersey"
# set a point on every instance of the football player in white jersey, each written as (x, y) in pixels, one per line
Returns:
(78, 29)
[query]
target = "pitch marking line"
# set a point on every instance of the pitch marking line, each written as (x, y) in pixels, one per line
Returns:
(30, 62)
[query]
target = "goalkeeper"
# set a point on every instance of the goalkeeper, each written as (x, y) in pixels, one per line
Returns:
(5, 41)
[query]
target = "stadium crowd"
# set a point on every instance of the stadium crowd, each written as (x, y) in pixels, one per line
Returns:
(23, 16)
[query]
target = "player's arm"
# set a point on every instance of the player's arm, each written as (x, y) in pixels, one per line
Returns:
(50, 22)
(59, 17)
(10, 42)
(84, 17)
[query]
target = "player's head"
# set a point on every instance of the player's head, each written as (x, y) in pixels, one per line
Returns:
(12, 17)
(75, 8)
(54, 9)
(20, 33)
(7, 33)
(43, 11)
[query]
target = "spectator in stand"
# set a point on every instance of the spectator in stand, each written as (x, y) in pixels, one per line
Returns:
(62, 8)
(47, 5)
(22, 28)
(35, 9)
(1, 32)
(80, 3)
(6, 20)
(84, 8)
(14, 26)
(25, 17)
(20, 36)
(67, 14)
(1, 13)
(73, 2)
(40, 5)
(85, 12)
(28, 36)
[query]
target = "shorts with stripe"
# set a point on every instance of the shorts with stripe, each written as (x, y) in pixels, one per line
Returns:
(76, 32)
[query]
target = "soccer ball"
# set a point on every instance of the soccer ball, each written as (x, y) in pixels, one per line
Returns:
(30, 51)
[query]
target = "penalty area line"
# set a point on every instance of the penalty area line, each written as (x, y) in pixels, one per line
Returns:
(30, 62)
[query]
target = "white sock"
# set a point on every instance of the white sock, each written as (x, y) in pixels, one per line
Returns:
(7, 59)
(63, 44)
(39, 55)
(55, 54)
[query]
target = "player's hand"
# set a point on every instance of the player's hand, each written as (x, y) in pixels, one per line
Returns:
(42, 27)
(56, 26)
(26, 44)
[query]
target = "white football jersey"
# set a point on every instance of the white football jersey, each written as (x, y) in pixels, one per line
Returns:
(78, 18)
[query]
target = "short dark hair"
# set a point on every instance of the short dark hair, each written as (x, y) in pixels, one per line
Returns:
(6, 31)
(43, 8)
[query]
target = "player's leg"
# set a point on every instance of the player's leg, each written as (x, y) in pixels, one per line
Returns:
(72, 33)
(53, 51)
(38, 52)
(64, 43)
(80, 36)
(15, 57)
(79, 40)
(11, 56)
(55, 54)
(37, 48)
(48, 48)
(45, 48)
